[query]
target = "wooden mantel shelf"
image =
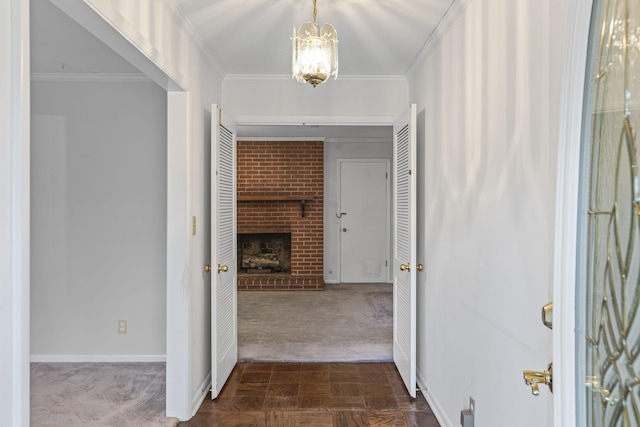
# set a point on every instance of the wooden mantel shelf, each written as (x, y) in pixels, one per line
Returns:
(276, 198)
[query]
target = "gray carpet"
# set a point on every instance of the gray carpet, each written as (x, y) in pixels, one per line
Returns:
(343, 323)
(98, 394)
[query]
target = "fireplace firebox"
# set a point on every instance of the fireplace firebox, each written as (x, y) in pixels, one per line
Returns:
(264, 253)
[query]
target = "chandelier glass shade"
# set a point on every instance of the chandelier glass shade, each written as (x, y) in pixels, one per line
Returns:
(315, 53)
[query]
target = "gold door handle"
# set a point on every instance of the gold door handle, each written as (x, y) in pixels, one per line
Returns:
(419, 267)
(534, 378)
(405, 267)
(207, 268)
(222, 268)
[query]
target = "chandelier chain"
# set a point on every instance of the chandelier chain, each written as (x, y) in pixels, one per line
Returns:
(315, 11)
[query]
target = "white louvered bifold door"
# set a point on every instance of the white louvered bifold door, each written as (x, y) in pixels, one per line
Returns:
(404, 252)
(224, 325)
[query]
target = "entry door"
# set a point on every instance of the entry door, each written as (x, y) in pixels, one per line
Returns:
(404, 253)
(364, 221)
(608, 273)
(224, 327)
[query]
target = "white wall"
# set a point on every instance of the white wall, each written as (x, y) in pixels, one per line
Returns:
(487, 96)
(255, 100)
(98, 218)
(334, 150)
(155, 37)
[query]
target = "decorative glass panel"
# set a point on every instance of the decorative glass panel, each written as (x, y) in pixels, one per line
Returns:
(609, 276)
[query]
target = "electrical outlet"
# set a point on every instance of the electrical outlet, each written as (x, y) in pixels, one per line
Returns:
(122, 326)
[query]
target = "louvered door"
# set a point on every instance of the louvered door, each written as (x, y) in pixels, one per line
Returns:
(404, 253)
(224, 329)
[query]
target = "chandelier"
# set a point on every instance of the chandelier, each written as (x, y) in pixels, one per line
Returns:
(315, 57)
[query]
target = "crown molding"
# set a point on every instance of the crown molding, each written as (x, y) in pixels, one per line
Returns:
(287, 77)
(91, 77)
(181, 20)
(448, 19)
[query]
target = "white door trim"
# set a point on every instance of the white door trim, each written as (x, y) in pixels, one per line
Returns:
(14, 213)
(566, 221)
(387, 162)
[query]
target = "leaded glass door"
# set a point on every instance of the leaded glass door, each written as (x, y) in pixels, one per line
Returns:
(608, 286)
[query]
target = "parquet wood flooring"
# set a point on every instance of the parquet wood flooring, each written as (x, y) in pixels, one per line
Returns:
(314, 395)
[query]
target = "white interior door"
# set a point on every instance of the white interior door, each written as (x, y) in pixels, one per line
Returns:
(224, 328)
(364, 221)
(404, 248)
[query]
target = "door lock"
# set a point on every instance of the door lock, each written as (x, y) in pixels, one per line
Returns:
(547, 315)
(534, 378)
(344, 230)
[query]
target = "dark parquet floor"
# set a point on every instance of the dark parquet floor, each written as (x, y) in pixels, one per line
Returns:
(314, 395)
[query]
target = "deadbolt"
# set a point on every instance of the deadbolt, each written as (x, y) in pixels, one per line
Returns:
(547, 315)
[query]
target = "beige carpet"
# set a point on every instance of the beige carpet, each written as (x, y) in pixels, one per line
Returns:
(343, 323)
(98, 394)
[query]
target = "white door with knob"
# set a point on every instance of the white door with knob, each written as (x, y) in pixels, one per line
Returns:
(597, 277)
(364, 220)
(224, 310)
(404, 248)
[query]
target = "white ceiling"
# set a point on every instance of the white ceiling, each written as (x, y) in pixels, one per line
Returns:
(253, 37)
(376, 37)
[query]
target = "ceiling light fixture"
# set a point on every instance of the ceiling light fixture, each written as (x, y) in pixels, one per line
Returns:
(314, 57)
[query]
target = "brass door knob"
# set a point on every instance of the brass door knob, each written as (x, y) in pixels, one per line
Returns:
(419, 267)
(207, 268)
(535, 378)
(222, 268)
(405, 267)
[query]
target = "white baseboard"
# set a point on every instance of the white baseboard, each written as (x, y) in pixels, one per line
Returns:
(56, 358)
(200, 394)
(442, 418)
(331, 282)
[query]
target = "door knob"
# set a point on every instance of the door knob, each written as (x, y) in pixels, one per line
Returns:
(207, 268)
(405, 267)
(419, 267)
(344, 230)
(222, 268)
(535, 378)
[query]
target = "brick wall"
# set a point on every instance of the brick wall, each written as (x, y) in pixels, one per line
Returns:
(283, 169)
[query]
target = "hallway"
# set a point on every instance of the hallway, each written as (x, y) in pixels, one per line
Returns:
(314, 394)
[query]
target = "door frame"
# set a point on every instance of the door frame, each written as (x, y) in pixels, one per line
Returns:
(566, 218)
(389, 213)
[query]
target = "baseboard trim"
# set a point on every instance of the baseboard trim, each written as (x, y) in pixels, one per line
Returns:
(443, 420)
(200, 394)
(331, 282)
(60, 358)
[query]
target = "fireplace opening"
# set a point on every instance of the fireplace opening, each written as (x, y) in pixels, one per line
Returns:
(264, 253)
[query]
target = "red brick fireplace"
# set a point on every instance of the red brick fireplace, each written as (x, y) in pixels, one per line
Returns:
(280, 206)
